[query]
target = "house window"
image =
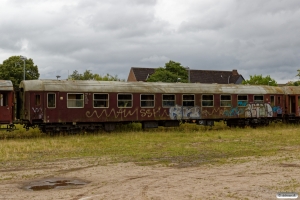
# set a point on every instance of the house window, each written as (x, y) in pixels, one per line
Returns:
(124, 100)
(75, 100)
(147, 100)
(242, 100)
(168, 100)
(258, 99)
(226, 100)
(51, 103)
(188, 100)
(207, 100)
(100, 100)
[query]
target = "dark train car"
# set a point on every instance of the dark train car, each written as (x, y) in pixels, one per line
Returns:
(66, 105)
(292, 104)
(6, 103)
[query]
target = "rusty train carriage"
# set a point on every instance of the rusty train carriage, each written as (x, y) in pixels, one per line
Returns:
(6, 103)
(66, 105)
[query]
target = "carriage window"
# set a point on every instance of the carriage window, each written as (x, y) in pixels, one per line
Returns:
(147, 100)
(226, 100)
(258, 99)
(242, 100)
(75, 100)
(51, 101)
(100, 100)
(188, 100)
(3, 99)
(279, 101)
(124, 100)
(168, 100)
(207, 100)
(37, 100)
(272, 101)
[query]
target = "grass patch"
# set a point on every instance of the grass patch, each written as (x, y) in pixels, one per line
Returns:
(187, 145)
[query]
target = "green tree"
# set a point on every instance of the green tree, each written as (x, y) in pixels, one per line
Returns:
(260, 80)
(12, 69)
(170, 73)
(88, 75)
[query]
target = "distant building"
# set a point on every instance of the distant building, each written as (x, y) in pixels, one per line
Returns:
(196, 76)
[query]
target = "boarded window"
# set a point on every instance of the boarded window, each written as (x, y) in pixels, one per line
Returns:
(258, 99)
(242, 100)
(207, 100)
(101, 100)
(168, 100)
(147, 100)
(124, 100)
(225, 100)
(51, 101)
(75, 100)
(188, 100)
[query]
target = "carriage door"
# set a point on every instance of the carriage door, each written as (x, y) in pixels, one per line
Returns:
(292, 101)
(36, 106)
(5, 109)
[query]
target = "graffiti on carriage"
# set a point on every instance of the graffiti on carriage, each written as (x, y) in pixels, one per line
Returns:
(183, 112)
(258, 110)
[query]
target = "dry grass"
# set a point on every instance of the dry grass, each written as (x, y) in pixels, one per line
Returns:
(187, 145)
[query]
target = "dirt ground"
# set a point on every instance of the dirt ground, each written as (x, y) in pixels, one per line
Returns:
(254, 178)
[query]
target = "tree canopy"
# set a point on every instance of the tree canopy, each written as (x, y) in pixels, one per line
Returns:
(12, 69)
(172, 72)
(260, 80)
(88, 75)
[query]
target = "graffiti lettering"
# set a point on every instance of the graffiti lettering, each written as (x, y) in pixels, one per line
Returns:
(258, 110)
(123, 113)
(182, 112)
(242, 103)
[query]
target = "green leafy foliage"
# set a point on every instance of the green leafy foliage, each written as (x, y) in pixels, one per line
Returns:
(260, 80)
(12, 69)
(170, 73)
(88, 75)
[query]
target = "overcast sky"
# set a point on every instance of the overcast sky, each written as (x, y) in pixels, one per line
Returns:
(252, 36)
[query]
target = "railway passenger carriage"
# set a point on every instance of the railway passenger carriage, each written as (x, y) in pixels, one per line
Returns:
(68, 105)
(6, 103)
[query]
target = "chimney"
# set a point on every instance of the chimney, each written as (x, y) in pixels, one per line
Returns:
(234, 72)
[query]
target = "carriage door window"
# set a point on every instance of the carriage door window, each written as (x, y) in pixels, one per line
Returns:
(37, 100)
(272, 101)
(188, 100)
(258, 99)
(225, 100)
(168, 100)
(147, 100)
(124, 100)
(51, 101)
(3, 99)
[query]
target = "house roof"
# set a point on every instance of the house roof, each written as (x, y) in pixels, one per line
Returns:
(213, 76)
(141, 74)
(196, 76)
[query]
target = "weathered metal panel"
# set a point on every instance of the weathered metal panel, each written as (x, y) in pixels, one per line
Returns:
(144, 87)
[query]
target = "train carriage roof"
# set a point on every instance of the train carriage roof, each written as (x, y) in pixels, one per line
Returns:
(144, 87)
(6, 85)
